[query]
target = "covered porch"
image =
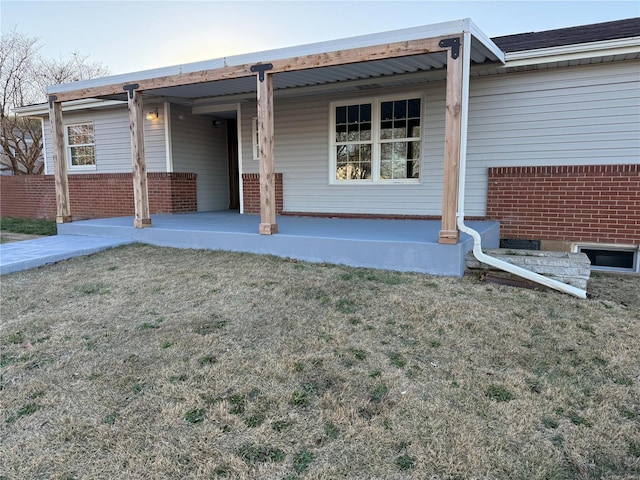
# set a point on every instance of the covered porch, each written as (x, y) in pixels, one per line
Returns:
(401, 245)
(442, 52)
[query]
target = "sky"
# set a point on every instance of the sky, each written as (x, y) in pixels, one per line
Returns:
(129, 36)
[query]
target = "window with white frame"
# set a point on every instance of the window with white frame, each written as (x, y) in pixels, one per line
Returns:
(81, 150)
(376, 140)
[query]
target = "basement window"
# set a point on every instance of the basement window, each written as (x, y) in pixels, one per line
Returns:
(610, 258)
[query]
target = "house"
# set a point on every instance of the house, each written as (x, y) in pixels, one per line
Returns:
(545, 125)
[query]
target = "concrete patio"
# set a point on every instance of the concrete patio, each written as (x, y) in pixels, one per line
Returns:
(402, 245)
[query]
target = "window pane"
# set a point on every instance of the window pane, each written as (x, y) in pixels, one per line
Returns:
(353, 113)
(341, 133)
(400, 109)
(353, 134)
(414, 108)
(413, 169)
(80, 134)
(414, 151)
(365, 131)
(399, 168)
(386, 151)
(365, 112)
(341, 154)
(82, 156)
(341, 115)
(413, 128)
(353, 152)
(386, 111)
(341, 171)
(365, 171)
(400, 129)
(365, 153)
(385, 169)
(400, 150)
(386, 130)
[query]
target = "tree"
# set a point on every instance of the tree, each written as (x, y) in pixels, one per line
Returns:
(24, 77)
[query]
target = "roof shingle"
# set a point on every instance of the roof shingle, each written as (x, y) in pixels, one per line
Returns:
(569, 36)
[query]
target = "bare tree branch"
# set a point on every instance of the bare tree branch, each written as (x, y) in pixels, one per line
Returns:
(24, 77)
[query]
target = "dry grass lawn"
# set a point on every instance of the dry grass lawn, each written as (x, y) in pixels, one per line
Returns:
(150, 363)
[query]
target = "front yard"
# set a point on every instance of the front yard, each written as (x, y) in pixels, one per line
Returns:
(151, 363)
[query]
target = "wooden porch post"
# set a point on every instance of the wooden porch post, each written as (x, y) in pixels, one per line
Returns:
(449, 233)
(63, 210)
(136, 128)
(268, 223)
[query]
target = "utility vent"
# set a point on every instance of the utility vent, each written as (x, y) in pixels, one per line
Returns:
(517, 244)
(619, 259)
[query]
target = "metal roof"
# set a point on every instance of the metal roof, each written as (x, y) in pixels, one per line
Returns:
(482, 50)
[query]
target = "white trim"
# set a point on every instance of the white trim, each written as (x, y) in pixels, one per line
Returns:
(239, 129)
(44, 147)
(255, 150)
(485, 41)
(167, 137)
(67, 149)
(43, 108)
(375, 142)
(578, 51)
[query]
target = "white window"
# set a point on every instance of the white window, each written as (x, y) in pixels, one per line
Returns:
(81, 150)
(376, 140)
(254, 136)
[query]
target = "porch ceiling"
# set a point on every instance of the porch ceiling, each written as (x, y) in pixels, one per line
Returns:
(332, 77)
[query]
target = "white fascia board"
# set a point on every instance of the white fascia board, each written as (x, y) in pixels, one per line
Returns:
(484, 40)
(42, 109)
(407, 34)
(573, 52)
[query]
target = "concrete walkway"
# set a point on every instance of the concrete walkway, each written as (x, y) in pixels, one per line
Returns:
(18, 256)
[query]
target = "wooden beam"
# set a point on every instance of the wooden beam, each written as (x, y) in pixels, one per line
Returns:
(318, 60)
(268, 223)
(63, 210)
(139, 164)
(449, 233)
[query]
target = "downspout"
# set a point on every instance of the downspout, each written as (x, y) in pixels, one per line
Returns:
(477, 240)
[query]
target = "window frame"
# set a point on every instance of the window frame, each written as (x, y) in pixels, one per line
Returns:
(68, 147)
(376, 141)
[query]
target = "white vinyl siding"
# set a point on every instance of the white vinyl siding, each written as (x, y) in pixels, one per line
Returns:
(302, 155)
(199, 148)
(566, 116)
(583, 115)
(113, 140)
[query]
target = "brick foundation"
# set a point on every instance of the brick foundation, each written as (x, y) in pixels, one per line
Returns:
(96, 195)
(251, 192)
(591, 203)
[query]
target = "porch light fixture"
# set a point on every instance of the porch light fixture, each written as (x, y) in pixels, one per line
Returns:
(152, 114)
(216, 123)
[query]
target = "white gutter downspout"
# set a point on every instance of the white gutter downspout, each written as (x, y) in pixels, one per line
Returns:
(477, 240)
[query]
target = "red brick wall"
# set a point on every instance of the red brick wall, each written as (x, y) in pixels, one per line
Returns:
(96, 195)
(591, 203)
(251, 192)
